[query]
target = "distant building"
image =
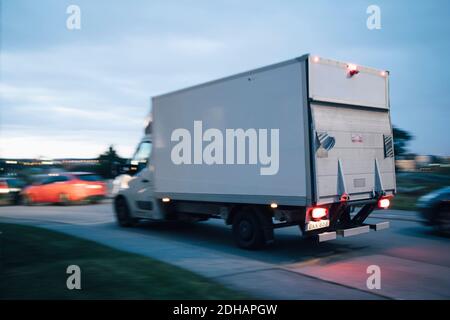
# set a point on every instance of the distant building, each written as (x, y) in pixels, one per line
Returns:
(444, 159)
(424, 160)
(406, 165)
(15, 166)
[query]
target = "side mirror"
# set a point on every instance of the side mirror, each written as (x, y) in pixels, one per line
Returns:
(141, 166)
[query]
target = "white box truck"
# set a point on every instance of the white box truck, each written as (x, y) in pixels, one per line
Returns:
(305, 142)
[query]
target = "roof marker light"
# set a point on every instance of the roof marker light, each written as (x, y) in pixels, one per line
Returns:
(352, 69)
(316, 59)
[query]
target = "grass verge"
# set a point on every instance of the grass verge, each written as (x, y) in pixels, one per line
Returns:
(412, 185)
(33, 264)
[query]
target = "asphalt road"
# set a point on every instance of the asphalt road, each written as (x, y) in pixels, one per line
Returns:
(414, 262)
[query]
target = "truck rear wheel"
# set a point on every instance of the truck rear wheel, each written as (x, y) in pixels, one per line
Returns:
(123, 215)
(247, 229)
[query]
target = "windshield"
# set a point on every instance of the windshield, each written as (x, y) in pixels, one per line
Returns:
(143, 152)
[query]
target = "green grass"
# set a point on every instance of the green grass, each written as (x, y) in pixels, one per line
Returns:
(412, 185)
(33, 265)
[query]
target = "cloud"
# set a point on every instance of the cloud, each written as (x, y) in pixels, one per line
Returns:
(78, 145)
(54, 96)
(194, 45)
(57, 83)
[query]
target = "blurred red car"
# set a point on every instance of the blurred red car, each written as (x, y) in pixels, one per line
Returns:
(66, 188)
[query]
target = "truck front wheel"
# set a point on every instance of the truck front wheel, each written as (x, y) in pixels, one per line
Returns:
(123, 213)
(247, 230)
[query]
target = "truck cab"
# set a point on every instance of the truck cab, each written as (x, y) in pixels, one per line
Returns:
(133, 166)
(136, 199)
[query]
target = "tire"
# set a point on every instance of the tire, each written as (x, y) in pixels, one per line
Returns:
(95, 201)
(123, 216)
(442, 220)
(63, 199)
(27, 200)
(248, 230)
(17, 199)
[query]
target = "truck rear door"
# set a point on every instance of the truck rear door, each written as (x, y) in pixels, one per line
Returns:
(353, 156)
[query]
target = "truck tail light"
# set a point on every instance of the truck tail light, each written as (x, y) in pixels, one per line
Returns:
(352, 70)
(319, 213)
(384, 203)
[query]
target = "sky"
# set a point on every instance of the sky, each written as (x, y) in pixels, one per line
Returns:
(72, 93)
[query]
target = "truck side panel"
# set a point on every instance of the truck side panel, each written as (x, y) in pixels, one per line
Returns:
(271, 98)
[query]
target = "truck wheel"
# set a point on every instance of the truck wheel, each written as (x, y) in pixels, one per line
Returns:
(247, 230)
(123, 213)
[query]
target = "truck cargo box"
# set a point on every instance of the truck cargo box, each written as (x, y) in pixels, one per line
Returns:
(302, 132)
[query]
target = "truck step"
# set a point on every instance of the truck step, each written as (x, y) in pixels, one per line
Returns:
(353, 231)
(331, 235)
(379, 226)
(326, 236)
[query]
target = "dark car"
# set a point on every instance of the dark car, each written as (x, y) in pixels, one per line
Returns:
(10, 190)
(435, 208)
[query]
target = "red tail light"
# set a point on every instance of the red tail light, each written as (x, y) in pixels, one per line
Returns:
(319, 213)
(4, 187)
(384, 203)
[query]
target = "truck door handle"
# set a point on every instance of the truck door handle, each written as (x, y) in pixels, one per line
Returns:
(145, 180)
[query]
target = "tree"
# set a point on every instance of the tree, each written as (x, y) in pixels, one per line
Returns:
(401, 140)
(109, 162)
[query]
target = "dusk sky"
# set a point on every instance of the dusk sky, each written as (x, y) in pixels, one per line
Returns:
(71, 93)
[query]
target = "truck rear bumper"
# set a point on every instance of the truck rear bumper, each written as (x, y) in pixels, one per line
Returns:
(348, 232)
